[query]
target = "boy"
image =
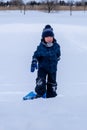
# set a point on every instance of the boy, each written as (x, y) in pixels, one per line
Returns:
(47, 56)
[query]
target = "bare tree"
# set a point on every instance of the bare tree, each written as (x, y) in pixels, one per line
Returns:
(16, 2)
(70, 5)
(50, 5)
(84, 4)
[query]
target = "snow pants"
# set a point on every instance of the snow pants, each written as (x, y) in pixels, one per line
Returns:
(46, 83)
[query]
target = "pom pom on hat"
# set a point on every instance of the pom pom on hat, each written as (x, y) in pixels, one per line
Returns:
(48, 27)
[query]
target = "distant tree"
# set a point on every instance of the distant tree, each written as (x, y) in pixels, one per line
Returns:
(62, 2)
(50, 4)
(16, 2)
(33, 3)
(78, 3)
(70, 3)
(84, 4)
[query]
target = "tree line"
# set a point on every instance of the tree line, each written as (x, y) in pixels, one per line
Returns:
(33, 2)
(48, 5)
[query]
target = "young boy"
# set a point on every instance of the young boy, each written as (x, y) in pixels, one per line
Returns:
(47, 56)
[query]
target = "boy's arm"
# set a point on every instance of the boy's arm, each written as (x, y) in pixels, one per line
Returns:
(58, 53)
(36, 54)
(34, 60)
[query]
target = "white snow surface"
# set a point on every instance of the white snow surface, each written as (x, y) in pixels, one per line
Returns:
(19, 37)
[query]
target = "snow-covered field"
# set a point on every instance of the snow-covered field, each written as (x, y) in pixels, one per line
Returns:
(19, 36)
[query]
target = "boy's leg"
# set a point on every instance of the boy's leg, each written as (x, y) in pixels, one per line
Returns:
(41, 82)
(51, 85)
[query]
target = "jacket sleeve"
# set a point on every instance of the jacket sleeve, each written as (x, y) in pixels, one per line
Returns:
(36, 53)
(58, 52)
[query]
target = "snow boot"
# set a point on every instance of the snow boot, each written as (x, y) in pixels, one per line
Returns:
(51, 90)
(40, 88)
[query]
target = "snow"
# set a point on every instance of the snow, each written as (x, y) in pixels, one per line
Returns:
(19, 36)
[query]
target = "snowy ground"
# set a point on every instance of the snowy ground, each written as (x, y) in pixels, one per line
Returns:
(19, 36)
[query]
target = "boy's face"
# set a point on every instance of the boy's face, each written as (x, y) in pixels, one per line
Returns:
(49, 39)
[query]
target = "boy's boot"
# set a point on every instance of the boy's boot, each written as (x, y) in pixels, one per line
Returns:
(40, 88)
(51, 90)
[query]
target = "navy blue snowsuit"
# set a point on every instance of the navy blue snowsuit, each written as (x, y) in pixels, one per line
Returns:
(47, 58)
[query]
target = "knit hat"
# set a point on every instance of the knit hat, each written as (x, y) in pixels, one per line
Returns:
(47, 31)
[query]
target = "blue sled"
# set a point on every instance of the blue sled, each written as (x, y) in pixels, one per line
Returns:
(32, 95)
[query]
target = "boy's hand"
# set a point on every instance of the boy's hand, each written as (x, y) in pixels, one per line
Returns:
(33, 65)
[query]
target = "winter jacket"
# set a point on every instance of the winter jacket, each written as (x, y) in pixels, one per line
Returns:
(47, 57)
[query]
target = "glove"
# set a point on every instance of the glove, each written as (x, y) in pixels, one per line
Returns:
(33, 65)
